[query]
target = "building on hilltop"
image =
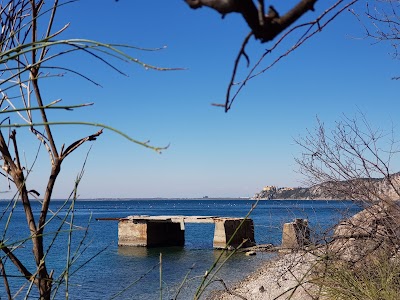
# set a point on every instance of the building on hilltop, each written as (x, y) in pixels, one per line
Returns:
(267, 192)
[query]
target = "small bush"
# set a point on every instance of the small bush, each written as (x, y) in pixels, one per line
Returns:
(376, 279)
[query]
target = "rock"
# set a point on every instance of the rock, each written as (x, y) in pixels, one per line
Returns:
(258, 290)
(373, 231)
(250, 253)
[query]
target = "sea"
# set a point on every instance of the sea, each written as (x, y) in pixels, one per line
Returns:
(99, 269)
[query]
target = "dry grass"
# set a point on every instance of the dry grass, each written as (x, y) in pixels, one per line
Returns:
(374, 279)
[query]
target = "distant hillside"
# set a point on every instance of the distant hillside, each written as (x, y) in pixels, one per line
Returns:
(353, 189)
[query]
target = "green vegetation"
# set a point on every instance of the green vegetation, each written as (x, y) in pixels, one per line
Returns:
(376, 279)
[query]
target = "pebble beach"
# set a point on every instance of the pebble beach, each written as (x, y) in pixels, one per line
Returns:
(284, 277)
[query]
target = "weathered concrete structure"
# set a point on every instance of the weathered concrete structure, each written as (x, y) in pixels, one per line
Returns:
(150, 233)
(153, 231)
(296, 234)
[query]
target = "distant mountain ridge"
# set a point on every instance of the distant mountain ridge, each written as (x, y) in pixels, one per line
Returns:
(340, 190)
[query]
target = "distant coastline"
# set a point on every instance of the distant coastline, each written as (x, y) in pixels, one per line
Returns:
(193, 199)
(159, 198)
(333, 190)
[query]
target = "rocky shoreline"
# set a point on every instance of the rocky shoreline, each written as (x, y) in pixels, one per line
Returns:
(370, 236)
(284, 277)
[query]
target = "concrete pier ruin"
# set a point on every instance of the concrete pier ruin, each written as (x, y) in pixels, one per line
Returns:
(155, 231)
(296, 234)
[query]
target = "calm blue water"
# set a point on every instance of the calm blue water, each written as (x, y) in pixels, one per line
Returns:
(112, 269)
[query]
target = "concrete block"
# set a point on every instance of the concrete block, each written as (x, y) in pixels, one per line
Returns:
(150, 233)
(132, 233)
(225, 229)
(296, 234)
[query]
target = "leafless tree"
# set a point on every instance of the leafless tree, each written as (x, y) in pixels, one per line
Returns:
(305, 19)
(381, 22)
(357, 162)
(29, 45)
(352, 159)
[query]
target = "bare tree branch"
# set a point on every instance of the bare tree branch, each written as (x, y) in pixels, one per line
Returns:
(381, 23)
(264, 28)
(5, 279)
(267, 27)
(305, 30)
(20, 266)
(349, 159)
(78, 143)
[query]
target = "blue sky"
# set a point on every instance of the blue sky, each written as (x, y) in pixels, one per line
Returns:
(211, 152)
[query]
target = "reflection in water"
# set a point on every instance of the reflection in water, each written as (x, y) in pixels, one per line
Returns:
(145, 252)
(133, 251)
